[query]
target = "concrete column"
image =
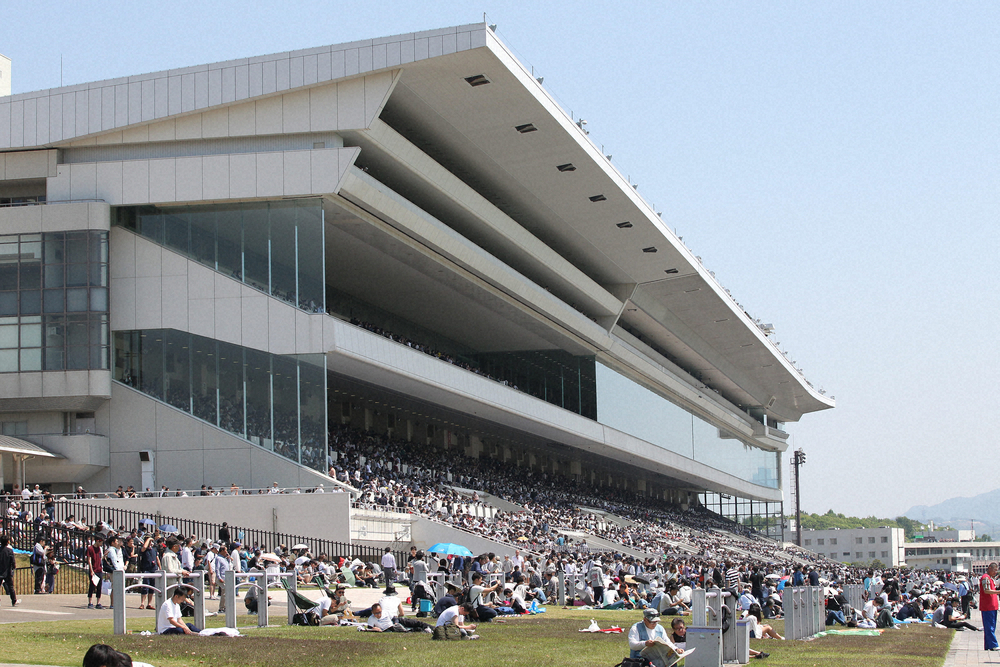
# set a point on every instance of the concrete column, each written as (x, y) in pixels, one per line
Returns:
(409, 430)
(369, 419)
(18, 469)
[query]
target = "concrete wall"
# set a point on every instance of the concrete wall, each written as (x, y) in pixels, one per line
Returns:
(425, 533)
(320, 515)
(189, 452)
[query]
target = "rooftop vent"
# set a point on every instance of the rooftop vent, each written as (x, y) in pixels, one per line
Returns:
(566, 167)
(597, 198)
(671, 271)
(624, 225)
(477, 80)
(524, 129)
(649, 249)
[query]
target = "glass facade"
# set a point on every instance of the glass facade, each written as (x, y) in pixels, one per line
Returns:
(629, 407)
(54, 301)
(551, 375)
(276, 402)
(765, 517)
(276, 247)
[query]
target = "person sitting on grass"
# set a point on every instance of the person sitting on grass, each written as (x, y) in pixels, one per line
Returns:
(168, 618)
(456, 616)
(484, 610)
(759, 630)
(380, 621)
(647, 632)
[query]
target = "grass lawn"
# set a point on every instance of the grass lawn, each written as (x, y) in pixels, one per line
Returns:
(546, 639)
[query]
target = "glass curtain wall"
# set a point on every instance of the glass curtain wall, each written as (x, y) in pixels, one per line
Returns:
(276, 402)
(629, 407)
(54, 301)
(765, 517)
(276, 247)
(551, 375)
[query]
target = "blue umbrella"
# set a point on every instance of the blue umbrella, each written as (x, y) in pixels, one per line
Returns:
(167, 528)
(148, 522)
(449, 548)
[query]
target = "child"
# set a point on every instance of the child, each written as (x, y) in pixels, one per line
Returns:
(51, 570)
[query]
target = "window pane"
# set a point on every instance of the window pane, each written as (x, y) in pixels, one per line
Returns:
(8, 361)
(31, 359)
(98, 247)
(203, 235)
(31, 302)
(255, 247)
(177, 376)
(176, 230)
(151, 224)
(258, 392)
(77, 358)
(8, 303)
(30, 273)
(55, 275)
(229, 226)
(151, 358)
(77, 331)
(99, 274)
(204, 379)
(54, 247)
(77, 275)
(76, 300)
(283, 274)
(54, 358)
(286, 407)
(98, 299)
(98, 357)
(310, 239)
(31, 334)
(8, 336)
(55, 300)
(312, 410)
(77, 247)
(230, 380)
(98, 330)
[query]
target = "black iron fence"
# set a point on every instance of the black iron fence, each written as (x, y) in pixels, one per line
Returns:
(124, 520)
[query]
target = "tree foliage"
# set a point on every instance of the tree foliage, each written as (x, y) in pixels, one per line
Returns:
(834, 520)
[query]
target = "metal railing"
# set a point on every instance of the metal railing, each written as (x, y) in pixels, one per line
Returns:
(253, 538)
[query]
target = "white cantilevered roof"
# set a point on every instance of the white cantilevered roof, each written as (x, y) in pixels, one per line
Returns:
(472, 130)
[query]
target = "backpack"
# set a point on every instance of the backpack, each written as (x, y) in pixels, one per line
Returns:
(447, 632)
(307, 618)
(37, 559)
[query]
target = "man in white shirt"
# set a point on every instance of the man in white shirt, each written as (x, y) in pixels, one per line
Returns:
(168, 618)
(187, 555)
(647, 632)
(456, 616)
(389, 566)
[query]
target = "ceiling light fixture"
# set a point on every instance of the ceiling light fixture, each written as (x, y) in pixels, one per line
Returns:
(477, 80)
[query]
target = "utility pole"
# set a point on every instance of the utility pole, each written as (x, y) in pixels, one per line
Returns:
(798, 458)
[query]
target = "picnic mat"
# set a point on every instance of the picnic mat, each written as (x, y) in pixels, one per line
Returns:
(859, 632)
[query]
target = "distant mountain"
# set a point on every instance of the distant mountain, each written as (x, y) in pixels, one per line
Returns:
(984, 508)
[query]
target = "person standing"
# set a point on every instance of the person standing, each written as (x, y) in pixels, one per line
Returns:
(95, 571)
(389, 566)
(988, 607)
(38, 564)
(7, 569)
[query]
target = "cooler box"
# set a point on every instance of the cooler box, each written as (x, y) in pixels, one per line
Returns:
(426, 605)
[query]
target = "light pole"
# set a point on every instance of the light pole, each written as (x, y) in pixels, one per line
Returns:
(798, 458)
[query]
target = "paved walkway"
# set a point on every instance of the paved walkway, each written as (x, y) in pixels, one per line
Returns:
(967, 649)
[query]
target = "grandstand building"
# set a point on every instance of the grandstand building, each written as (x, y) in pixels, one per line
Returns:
(203, 270)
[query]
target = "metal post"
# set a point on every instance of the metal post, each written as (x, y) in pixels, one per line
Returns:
(698, 607)
(161, 588)
(561, 587)
(199, 598)
(230, 599)
(729, 640)
(291, 603)
(262, 601)
(118, 592)
(742, 642)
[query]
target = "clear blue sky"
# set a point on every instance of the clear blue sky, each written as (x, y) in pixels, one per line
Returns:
(835, 163)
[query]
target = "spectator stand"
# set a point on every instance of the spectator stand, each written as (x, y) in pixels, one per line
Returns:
(805, 613)
(164, 583)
